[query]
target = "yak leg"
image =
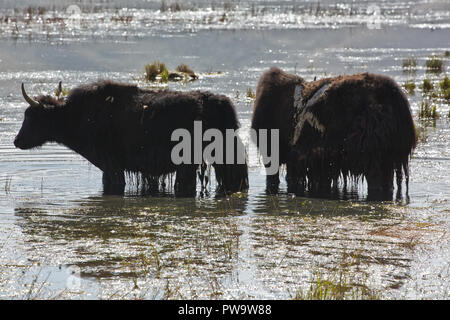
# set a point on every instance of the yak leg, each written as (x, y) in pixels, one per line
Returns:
(231, 177)
(295, 175)
(291, 178)
(185, 180)
(399, 177)
(113, 182)
(380, 183)
(273, 182)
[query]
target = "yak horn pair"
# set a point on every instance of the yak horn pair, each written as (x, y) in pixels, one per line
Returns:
(30, 101)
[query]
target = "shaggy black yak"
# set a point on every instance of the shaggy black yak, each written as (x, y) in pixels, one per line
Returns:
(346, 126)
(121, 128)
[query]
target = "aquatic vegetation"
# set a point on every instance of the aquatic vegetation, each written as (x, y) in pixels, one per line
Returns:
(164, 76)
(186, 71)
(184, 68)
(409, 86)
(152, 70)
(409, 65)
(427, 86)
(427, 111)
(250, 94)
(421, 133)
(444, 84)
(434, 64)
(444, 87)
(446, 94)
(340, 283)
(158, 70)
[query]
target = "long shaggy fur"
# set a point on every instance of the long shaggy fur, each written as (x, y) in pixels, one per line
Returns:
(121, 128)
(360, 125)
(273, 108)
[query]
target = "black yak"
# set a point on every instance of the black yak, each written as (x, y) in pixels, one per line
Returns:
(346, 126)
(121, 129)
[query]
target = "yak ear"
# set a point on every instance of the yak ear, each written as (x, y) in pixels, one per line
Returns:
(30, 101)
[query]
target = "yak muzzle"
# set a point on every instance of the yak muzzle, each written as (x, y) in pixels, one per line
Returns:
(18, 143)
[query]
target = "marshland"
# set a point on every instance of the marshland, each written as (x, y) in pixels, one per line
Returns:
(61, 238)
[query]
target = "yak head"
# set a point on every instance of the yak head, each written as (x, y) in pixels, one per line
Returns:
(39, 123)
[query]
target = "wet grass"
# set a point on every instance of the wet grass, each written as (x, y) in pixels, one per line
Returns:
(421, 132)
(251, 94)
(434, 64)
(427, 86)
(183, 68)
(410, 87)
(152, 70)
(434, 93)
(428, 111)
(444, 87)
(409, 65)
(157, 71)
(339, 283)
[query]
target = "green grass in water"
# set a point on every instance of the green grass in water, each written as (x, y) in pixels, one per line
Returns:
(434, 64)
(410, 86)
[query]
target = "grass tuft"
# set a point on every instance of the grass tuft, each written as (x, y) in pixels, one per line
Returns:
(185, 69)
(339, 284)
(164, 76)
(152, 70)
(250, 94)
(409, 86)
(427, 86)
(434, 64)
(409, 65)
(427, 111)
(158, 71)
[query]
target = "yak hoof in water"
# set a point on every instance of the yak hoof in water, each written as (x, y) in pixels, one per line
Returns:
(185, 181)
(376, 194)
(380, 185)
(272, 183)
(113, 183)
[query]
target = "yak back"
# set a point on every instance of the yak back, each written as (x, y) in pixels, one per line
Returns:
(130, 129)
(359, 122)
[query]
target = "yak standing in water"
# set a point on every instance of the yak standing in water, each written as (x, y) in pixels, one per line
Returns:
(346, 126)
(122, 129)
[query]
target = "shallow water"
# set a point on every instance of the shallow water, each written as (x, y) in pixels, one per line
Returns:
(61, 238)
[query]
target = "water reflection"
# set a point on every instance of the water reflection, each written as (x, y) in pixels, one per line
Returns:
(215, 243)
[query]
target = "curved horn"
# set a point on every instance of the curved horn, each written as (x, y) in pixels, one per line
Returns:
(60, 88)
(30, 101)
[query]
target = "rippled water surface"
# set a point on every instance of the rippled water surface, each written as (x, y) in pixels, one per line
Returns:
(61, 238)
